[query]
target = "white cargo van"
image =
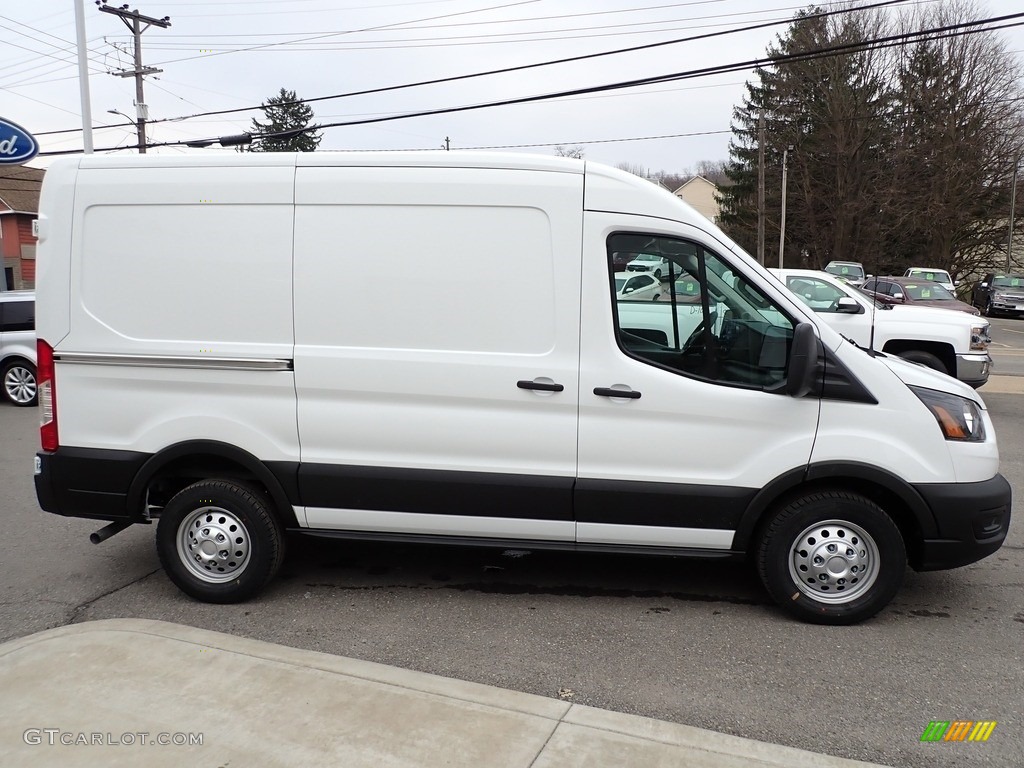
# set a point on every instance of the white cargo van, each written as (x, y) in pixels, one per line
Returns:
(217, 353)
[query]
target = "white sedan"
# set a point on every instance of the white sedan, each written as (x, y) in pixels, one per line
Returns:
(637, 287)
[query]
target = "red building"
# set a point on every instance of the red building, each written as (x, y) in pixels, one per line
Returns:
(19, 205)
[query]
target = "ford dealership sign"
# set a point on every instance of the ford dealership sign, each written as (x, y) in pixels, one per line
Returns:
(17, 145)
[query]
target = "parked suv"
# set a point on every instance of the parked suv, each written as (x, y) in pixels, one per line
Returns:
(18, 347)
(939, 276)
(851, 272)
(998, 292)
(649, 262)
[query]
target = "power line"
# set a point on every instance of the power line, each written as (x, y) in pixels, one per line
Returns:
(348, 32)
(523, 67)
(953, 30)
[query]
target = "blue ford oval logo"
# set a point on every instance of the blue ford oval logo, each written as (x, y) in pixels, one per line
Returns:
(17, 145)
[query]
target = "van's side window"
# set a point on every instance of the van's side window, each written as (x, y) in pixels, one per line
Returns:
(700, 319)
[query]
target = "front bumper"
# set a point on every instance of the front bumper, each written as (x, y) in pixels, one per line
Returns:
(973, 369)
(972, 520)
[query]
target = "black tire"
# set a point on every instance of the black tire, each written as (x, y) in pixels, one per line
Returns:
(18, 384)
(927, 359)
(987, 310)
(803, 564)
(196, 525)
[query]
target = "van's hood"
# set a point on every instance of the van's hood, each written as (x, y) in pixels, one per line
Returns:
(916, 375)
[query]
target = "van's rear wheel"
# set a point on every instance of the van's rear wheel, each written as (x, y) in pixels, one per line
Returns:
(219, 542)
(832, 558)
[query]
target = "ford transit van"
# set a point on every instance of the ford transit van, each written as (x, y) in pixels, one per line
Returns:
(217, 355)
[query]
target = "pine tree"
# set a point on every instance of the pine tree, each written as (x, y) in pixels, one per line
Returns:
(900, 157)
(286, 115)
(819, 108)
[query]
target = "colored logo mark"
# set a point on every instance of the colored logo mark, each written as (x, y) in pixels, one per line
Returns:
(17, 145)
(958, 730)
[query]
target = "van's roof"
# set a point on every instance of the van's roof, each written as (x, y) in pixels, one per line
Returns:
(406, 159)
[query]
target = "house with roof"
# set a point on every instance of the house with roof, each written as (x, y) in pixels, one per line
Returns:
(19, 205)
(699, 192)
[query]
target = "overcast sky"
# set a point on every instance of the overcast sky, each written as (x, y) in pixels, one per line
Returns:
(230, 54)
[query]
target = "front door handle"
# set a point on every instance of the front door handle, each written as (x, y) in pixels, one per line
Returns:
(631, 394)
(543, 386)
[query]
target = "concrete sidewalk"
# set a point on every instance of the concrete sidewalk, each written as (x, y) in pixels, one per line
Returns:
(113, 693)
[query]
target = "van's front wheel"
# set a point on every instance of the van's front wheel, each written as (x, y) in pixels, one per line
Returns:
(219, 542)
(832, 558)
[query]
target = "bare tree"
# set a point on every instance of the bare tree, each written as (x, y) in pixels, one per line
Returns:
(574, 152)
(635, 168)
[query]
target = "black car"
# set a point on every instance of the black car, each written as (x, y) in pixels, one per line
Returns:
(999, 293)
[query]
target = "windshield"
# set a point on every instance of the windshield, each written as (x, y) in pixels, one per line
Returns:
(935, 275)
(846, 270)
(647, 257)
(687, 286)
(1009, 281)
(928, 292)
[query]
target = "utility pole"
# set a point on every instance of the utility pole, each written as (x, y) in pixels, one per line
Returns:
(760, 187)
(1013, 206)
(83, 77)
(134, 21)
(782, 222)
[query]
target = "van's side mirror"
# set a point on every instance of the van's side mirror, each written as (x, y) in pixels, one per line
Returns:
(983, 284)
(898, 296)
(803, 361)
(848, 306)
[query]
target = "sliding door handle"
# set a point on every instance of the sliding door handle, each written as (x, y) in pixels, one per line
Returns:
(542, 386)
(631, 394)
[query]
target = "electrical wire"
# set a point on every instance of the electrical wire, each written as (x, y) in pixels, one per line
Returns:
(523, 67)
(952, 30)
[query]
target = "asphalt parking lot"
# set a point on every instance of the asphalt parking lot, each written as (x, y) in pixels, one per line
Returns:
(692, 643)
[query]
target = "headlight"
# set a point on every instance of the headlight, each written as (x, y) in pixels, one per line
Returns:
(959, 418)
(979, 337)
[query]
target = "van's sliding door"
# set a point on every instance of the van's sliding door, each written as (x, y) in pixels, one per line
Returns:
(436, 354)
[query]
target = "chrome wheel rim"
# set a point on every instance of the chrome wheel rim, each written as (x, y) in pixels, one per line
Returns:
(20, 384)
(834, 562)
(213, 544)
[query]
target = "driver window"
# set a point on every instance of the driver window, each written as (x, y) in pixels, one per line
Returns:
(707, 320)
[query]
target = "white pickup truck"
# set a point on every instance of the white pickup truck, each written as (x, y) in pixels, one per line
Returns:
(952, 342)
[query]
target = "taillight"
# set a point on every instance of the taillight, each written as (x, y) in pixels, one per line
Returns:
(47, 396)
